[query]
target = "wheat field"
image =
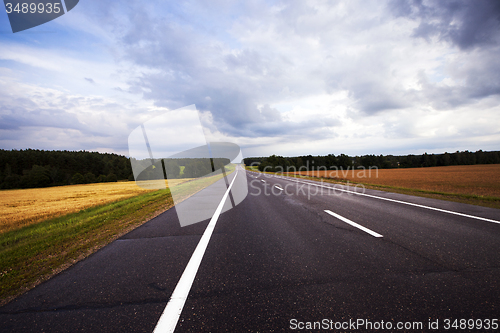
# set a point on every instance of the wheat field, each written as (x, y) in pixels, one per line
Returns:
(19, 208)
(481, 180)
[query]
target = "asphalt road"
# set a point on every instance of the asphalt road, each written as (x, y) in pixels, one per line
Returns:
(279, 262)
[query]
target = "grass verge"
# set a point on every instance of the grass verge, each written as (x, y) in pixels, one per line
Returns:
(20, 208)
(33, 254)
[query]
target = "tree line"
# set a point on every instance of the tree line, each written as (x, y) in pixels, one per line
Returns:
(178, 168)
(32, 168)
(276, 163)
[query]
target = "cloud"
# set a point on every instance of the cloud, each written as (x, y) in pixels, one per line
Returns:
(282, 76)
(16, 118)
(192, 65)
(466, 24)
(46, 118)
(239, 68)
(467, 78)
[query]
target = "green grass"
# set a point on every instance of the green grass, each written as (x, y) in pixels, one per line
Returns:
(34, 253)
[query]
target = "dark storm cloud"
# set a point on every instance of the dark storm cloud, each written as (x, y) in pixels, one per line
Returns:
(482, 80)
(464, 23)
(478, 78)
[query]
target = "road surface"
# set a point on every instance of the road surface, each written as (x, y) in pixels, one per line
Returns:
(290, 256)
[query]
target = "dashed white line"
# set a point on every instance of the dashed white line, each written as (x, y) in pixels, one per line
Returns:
(354, 224)
(173, 310)
(279, 188)
(401, 202)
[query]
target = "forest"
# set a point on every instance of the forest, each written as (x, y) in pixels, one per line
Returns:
(42, 168)
(170, 168)
(32, 168)
(276, 163)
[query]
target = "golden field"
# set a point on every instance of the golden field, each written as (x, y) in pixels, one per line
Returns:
(19, 208)
(481, 180)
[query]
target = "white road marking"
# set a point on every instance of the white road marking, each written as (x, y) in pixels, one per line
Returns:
(279, 188)
(401, 202)
(354, 224)
(262, 180)
(173, 310)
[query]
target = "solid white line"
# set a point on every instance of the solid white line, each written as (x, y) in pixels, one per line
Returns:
(173, 310)
(401, 202)
(354, 224)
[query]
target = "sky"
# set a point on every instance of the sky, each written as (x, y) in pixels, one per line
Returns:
(275, 77)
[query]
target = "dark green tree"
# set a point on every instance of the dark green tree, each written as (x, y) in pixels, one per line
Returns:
(111, 177)
(11, 181)
(101, 179)
(344, 161)
(77, 178)
(38, 176)
(89, 178)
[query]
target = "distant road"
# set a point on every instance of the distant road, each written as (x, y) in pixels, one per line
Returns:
(289, 255)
